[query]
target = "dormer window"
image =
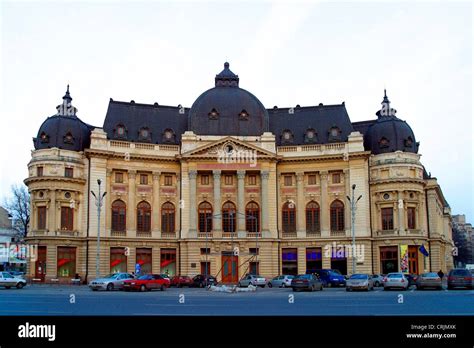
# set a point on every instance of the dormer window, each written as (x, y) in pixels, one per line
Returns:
(244, 115)
(120, 132)
(409, 142)
(168, 136)
(310, 136)
(213, 115)
(144, 134)
(334, 134)
(44, 138)
(383, 143)
(68, 138)
(287, 137)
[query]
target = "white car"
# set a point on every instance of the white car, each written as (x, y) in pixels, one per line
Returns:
(282, 281)
(8, 281)
(395, 280)
(253, 279)
(110, 282)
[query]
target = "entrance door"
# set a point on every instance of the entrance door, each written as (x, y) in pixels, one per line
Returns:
(413, 259)
(230, 268)
(40, 265)
(388, 259)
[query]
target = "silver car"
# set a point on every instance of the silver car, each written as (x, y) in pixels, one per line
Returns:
(378, 280)
(8, 281)
(360, 281)
(110, 282)
(255, 280)
(395, 280)
(282, 281)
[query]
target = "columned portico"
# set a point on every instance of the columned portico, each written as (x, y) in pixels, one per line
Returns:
(241, 204)
(217, 219)
(264, 175)
(192, 204)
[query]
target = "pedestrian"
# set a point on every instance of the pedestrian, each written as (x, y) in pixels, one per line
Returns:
(441, 274)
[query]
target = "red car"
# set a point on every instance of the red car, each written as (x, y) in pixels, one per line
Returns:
(180, 281)
(146, 282)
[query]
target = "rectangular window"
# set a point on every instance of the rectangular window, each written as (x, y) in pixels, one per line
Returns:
(67, 219)
(313, 259)
(411, 215)
(41, 218)
(119, 177)
(289, 261)
(254, 268)
(336, 178)
(118, 260)
(288, 180)
(68, 172)
(143, 179)
(204, 179)
(254, 251)
(387, 218)
(205, 251)
(312, 179)
(168, 261)
(252, 180)
(143, 261)
(66, 262)
(168, 180)
(228, 179)
(205, 268)
(39, 171)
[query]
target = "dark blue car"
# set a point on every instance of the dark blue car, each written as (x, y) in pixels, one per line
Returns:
(329, 277)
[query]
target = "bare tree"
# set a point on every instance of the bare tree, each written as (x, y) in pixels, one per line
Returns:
(18, 206)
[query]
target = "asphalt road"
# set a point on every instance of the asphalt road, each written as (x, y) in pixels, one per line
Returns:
(79, 300)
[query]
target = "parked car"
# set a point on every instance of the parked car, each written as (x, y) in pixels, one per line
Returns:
(411, 279)
(429, 280)
(8, 281)
(17, 274)
(254, 279)
(308, 282)
(378, 280)
(110, 282)
(330, 278)
(167, 277)
(360, 281)
(395, 280)
(200, 281)
(281, 281)
(459, 278)
(146, 282)
(180, 281)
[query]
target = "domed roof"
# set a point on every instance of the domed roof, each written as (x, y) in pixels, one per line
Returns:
(389, 133)
(228, 109)
(64, 130)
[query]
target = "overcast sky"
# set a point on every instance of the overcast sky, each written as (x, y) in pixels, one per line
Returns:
(284, 53)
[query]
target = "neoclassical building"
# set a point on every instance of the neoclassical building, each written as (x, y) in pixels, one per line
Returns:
(228, 187)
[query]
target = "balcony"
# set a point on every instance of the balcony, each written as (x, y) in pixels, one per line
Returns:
(168, 235)
(313, 234)
(205, 235)
(118, 233)
(387, 233)
(254, 234)
(67, 233)
(143, 234)
(291, 234)
(314, 149)
(229, 234)
(338, 233)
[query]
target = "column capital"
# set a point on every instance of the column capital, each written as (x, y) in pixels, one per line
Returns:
(109, 172)
(132, 174)
(265, 174)
(192, 174)
(299, 176)
(156, 175)
(324, 174)
(241, 174)
(216, 174)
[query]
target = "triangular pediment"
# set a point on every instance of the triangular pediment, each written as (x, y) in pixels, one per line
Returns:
(228, 146)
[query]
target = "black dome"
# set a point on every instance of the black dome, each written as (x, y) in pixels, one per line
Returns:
(389, 133)
(228, 109)
(64, 130)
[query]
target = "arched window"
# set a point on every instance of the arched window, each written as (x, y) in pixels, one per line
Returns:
(119, 213)
(252, 217)
(312, 217)
(120, 132)
(143, 217)
(286, 137)
(228, 217)
(167, 217)
(337, 216)
(205, 217)
(288, 216)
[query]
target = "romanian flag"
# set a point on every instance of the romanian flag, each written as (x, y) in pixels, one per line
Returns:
(423, 250)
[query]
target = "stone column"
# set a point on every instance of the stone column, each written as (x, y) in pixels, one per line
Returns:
(52, 212)
(107, 206)
(156, 216)
(401, 213)
(241, 228)
(192, 204)
(131, 206)
(325, 214)
(264, 175)
(300, 206)
(217, 220)
(347, 206)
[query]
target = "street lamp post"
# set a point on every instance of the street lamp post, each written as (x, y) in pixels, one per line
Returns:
(353, 203)
(98, 202)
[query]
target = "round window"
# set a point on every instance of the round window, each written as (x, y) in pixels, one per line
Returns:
(386, 196)
(67, 195)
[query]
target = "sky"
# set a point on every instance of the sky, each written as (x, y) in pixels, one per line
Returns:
(285, 53)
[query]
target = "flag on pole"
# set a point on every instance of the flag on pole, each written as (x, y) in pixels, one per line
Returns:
(423, 250)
